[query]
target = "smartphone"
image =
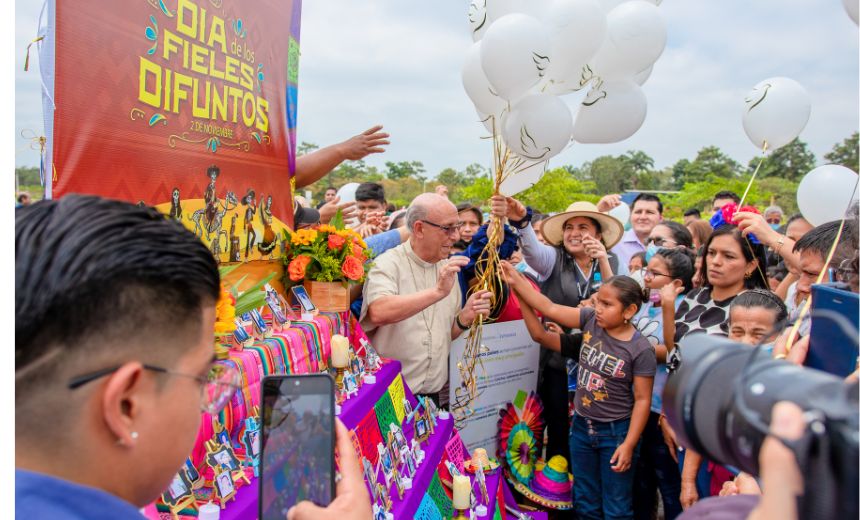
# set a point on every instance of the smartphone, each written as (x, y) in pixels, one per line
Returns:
(833, 336)
(298, 438)
(303, 298)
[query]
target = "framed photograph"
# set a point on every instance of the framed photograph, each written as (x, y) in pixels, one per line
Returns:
(384, 497)
(407, 408)
(386, 461)
(370, 478)
(304, 299)
(223, 458)
(452, 468)
(275, 303)
(398, 484)
(410, 464)
(191, 471)
(400, 439)
(258, 321)
(179, 490)
(224, 486)
(356, 366)
(240, 334)
(224, 438)
(421, 432)
(393, 447)
(252, 442)
(350, 384)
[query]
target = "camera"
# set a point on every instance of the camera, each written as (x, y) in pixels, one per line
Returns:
(719, 399)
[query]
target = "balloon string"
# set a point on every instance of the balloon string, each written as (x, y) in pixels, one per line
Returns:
(749, 185)
(792, 336)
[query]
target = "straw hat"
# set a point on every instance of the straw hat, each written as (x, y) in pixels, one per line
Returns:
(611, 228)
(480, 458)
(551, 486)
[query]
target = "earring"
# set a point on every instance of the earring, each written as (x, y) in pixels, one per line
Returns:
(134, 435)
(748, 275)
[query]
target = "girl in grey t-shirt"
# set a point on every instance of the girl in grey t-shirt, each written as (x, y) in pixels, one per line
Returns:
(613, 394)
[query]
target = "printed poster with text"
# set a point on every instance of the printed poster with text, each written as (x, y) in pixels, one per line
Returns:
(185, 105)
(511, 364)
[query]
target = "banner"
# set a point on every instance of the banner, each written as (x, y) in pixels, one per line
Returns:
(185, 105)
(511, 366)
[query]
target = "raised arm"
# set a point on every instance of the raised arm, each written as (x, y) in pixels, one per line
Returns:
(545, 338)
(315, 165)
(538, 256)
(564, 315)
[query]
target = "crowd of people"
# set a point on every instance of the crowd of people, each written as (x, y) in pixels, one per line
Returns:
(611, 307)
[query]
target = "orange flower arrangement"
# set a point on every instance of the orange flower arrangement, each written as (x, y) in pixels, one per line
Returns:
(225, 313)
(326, 253)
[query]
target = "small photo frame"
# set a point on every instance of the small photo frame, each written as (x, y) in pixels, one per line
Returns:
(224, 438)
(224, 486)
(384, 497)
(370, 477)
(452, 468)
(407, 409)
(251, 440)
(223, 458)
(259, 323)
(386, 462)
(421, 430)
(393, 447)
(274, 301)
(398, 484)
(350, 384)
(400, 439)
(240, 334)
(409, 459)
(303, 298)
(356, 366)
(191, 471)
(179, 490)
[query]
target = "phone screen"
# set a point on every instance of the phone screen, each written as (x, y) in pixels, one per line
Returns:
(297, 461)
(302, 297)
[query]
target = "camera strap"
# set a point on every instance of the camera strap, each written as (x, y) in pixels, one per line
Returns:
(813, 452)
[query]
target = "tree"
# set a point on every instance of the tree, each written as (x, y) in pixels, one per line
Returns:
(451, 178)
(845, 153)
(764, 192)
(305, 148)
(556, 190)
(640, 161)
(791, 162)
(710, 160)
(609, 174)
(404, 169)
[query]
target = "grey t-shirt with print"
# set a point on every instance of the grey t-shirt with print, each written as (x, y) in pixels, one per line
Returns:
(604, 389)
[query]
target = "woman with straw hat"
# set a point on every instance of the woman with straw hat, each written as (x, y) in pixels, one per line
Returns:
(572, 267)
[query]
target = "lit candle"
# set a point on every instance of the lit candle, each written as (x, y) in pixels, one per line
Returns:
(462, 492)
(339, 351)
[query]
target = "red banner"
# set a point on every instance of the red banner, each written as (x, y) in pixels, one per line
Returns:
(186, 105)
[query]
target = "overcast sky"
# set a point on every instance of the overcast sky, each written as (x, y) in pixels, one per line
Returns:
(398, 63)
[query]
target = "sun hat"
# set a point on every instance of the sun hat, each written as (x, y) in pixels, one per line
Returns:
(611, 228)
(480, 459)
(551, 486)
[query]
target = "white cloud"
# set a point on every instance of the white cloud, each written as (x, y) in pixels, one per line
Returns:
(398, 64)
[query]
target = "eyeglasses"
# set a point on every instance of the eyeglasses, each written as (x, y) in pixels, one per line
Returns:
(648, 273)
(216, 387)
(659, 241)
(774, 220)
(446, 229)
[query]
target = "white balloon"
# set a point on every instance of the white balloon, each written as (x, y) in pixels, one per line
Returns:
(608, 5)
(476, 85)
(499, 8)
(612, 112)
(852, 7)
(621, 212)
(478, 19)
(528, 175)
(538, 127)
(347, 192)
(514, 54)
(638, 36)
(641, 77)
(825, 193)
(576, 30)
(776, 111)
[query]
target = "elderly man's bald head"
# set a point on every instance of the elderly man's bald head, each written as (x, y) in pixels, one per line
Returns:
(428, 206)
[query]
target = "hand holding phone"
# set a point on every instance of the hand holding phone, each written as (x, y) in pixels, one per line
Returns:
(352, 500)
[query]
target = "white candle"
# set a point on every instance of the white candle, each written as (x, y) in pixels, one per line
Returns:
(462, 492)
(339, 351)
(209, 511)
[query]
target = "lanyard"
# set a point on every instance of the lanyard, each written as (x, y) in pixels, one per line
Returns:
(583, 290)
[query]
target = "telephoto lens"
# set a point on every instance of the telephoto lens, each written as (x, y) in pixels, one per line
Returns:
(719, 399)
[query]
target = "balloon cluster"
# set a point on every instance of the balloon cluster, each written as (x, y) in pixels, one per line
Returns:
(529, 52)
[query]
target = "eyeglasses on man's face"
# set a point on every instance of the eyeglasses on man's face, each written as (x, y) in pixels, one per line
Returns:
(216, 387)
(450, 230)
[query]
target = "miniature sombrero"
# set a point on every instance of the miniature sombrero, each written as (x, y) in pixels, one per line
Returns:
(551, 486)
(480, 458)
(611, 228)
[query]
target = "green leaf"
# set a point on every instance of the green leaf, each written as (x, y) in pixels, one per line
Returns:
(227, 269)
(337, 221)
